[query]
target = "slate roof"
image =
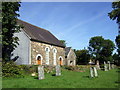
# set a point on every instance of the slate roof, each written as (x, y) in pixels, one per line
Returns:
(39, 34)
(67, 49)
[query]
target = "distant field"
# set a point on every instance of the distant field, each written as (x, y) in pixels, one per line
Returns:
(68, 79)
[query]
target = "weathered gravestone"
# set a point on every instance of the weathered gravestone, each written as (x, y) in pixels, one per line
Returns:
(105, 66)
(95, 72)
(41, 72)
(109, 66)
(112, 66)
(97, 65)
(58, 70)
(91, 72)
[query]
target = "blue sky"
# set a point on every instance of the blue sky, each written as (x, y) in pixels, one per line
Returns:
(74, 22)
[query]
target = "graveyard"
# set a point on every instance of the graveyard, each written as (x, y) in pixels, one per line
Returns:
(68, 78)
(60, 45)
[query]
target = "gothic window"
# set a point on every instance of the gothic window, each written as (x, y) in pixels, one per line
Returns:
(54, 56)
(47, 50)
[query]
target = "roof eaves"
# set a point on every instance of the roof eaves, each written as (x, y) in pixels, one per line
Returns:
(46, 43)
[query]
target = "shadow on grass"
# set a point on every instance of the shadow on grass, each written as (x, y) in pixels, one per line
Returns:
(53, 74)
(118, 71)
(35, 77)
(117, 82)
(86, 76)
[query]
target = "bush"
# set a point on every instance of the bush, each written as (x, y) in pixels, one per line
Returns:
(28, 69)
(9, 69)
(73, 68)
(49, 69)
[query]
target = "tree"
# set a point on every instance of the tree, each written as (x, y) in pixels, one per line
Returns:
(101, 49)
(118, 43)
(107, 50)
(9, 27)
(115, 15)
(83, 56)
(0, 32)
(63, 42)
(116, 59)
(95, 46)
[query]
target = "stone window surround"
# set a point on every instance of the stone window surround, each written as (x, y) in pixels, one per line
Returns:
(54, 56)
(47, 49)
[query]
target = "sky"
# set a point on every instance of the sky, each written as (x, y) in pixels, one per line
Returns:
(74, 22)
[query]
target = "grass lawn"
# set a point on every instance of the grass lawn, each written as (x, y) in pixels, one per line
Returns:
(68, 79)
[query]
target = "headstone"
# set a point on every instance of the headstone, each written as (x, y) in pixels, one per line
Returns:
(97, 65)
(95, 72)
(109, 66)
(58, 70)
(91, 72)
(41, 72)
(105, 66)
(112, 66)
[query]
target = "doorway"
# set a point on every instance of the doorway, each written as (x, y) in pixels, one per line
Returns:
(39, 60)
(60, 61)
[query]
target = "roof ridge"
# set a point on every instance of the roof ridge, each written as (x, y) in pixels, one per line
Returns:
(33, 25)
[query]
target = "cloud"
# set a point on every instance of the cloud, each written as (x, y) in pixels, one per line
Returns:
(81, 24)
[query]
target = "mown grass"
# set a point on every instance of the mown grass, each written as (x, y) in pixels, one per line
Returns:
(68, 79)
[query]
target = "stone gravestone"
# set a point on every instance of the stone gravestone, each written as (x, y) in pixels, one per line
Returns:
(98, 65)
(41, 72)
(91, 72)
(58, 70)
(109, 66)
(95, 72)
(112, 66)
(105, 66)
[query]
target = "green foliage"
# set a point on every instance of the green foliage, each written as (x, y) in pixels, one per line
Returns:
(29, 69)
(95, 45)
(107, 50)
(49, 69)
(116, 59)
(9, 27)
(63, 42)
(76, 68)
(73, 68)
(115, 13)
(118, 44)
(101, 49)
(9, 69)
(83, 56)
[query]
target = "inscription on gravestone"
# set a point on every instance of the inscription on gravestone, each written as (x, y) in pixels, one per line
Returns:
(41, 72)
(58, 70)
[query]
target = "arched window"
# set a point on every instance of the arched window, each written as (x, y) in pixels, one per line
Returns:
(47, 50)
(54, 56)
(39, 59)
